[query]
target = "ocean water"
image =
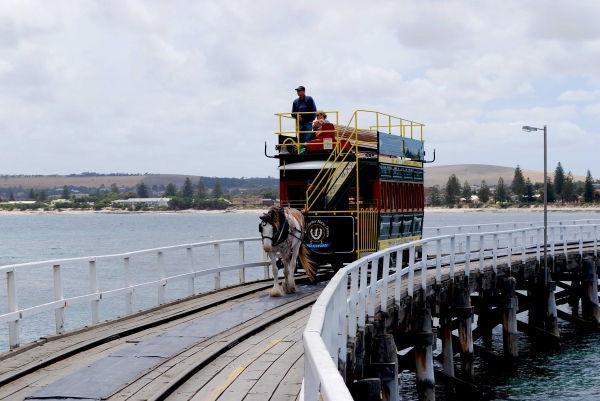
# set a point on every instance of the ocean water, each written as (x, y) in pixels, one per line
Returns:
(568, 371)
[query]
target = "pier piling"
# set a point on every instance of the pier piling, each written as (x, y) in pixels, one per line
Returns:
(465, 333)
(590, 310)
(551, 318)
(384, 364)
(510, 337)
(447, 351)
(423, 341)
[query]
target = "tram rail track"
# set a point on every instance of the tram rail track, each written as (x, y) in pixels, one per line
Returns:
(29, 369)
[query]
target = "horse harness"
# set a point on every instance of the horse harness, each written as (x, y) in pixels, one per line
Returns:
(280, 235)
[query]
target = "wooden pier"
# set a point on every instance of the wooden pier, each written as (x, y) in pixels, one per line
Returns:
(258, 358)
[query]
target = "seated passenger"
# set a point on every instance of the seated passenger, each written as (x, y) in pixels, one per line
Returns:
(319, 122)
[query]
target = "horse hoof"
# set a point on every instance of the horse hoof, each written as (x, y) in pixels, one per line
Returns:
(275, 292)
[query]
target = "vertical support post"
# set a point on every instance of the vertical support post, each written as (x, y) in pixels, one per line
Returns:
(465, 332)
(551, 318)
(438, 262)
(362, 300)
(411, 271)
(398, 285)
(59, 313)
(481, 252)
(447, 351)
(13, 306)
(373, 289)
(190, 266)
(423, 341)
(352, 323)
(510, 337)
(495, 254)
(483, 316)
(384, 364)
(452, 255)
(217, 252)
(523, 246)
(590, 310)
(129, 284)
(424, 271)
(161, 276)
(384, 279)
(94, 289)
(468, 257)
(242, 260)
(509, 259)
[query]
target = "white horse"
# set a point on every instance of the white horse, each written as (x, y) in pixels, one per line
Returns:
(282, 230)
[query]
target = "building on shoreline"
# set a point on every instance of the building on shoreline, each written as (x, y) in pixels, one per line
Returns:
(143, 201)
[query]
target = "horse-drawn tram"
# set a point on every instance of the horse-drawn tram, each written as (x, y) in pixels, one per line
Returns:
(359, 185)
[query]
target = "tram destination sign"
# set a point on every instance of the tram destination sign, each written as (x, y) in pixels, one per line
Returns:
(328, 234)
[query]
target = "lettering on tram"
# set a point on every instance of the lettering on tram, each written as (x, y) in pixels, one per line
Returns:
(359, 183)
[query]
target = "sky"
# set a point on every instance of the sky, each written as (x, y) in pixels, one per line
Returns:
(191, 87)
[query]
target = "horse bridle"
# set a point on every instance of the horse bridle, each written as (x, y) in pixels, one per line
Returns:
(278, 235)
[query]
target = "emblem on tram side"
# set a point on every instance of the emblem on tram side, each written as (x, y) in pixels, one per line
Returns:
(316, 232)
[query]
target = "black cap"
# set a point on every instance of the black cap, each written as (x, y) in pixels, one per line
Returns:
(300, 88)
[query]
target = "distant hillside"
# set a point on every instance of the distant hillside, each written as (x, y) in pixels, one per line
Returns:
(88, 180)
(475, 173)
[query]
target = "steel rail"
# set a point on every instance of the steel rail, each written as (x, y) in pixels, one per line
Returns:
(243, 335)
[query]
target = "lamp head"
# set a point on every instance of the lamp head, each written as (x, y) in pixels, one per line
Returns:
(529, 129)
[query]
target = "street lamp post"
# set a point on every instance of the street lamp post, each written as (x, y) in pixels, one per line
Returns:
(529, 129)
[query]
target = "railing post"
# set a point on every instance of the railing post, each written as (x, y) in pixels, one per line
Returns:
(452, 256)
(537, 248)
(552, 243)
(161, 276)
(13, 306)
(59, 313)
(438, 262)
(352, 323)
(129, 284)
(581, 241)
(190, 264)
(398, 285)
(423, 269)
(596, 241)
(384, 279)
(523, 246)
(373, 289)
(509, 261)
(217, 252)
(362, 299)
(459, 242)
(94, 289)
(242, 260)
(481, 252)
(495, 254)
(468, 257)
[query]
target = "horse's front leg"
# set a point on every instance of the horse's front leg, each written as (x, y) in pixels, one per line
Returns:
(290, 283)
(276, 291)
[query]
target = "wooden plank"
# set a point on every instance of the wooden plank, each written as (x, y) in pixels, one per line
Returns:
(289, 387)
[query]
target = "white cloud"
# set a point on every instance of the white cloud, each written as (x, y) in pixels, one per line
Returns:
(191, 87)
(578, 96)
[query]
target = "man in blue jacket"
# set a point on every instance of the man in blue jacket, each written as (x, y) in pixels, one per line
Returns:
(304, 104)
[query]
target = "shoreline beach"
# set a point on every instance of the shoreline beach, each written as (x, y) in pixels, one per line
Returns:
(531, 209)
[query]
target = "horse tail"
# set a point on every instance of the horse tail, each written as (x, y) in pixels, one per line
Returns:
(307, 262)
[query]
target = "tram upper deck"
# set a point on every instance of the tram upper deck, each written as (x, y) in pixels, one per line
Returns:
(368, 134)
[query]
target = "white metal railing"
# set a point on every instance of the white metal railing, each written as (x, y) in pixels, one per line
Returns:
(487, 227)
(15, 314)
(342, 310)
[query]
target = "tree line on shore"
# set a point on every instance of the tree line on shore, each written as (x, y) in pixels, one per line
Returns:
(189, 196)
(562, 188)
